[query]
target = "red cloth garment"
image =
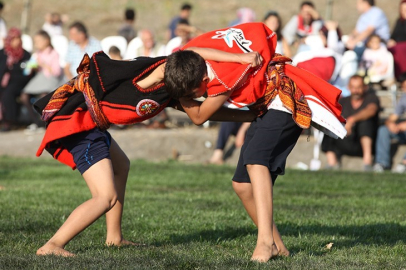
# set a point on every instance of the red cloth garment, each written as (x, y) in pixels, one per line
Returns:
(399, 56)
(114, 86)
(321, 96)
(322, 67)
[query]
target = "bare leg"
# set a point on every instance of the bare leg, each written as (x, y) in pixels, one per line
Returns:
(262, 191)
(244, 192)
(331, 158)
(100, 180)
(121, 167)
(366, 144)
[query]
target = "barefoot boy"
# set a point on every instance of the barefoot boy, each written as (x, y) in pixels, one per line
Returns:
(78, 115)
(285, 99)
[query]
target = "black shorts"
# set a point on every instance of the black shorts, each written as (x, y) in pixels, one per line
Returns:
(88, 148)
(268, 142)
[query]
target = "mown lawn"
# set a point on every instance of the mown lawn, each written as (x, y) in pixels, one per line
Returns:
(189, 218)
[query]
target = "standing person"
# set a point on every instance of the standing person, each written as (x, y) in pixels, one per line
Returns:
(13, 60)
(371, 21)
(361, 110)
(3, 27)
(47, 74)
(281, 96)
(80, 43)
(127, 29)
(78, 115)
(394, 130)
(184, 14)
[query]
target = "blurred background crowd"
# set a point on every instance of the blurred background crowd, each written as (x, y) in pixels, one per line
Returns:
(367, 61)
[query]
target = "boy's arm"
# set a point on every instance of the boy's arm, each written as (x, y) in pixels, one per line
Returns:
(253, 58)
(211, 109)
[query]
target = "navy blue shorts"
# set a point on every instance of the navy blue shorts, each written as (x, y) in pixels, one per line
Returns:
(88, 148)
(268, 142)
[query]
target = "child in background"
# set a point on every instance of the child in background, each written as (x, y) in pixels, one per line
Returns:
(45, 61)
(374, 60)
(284, 98)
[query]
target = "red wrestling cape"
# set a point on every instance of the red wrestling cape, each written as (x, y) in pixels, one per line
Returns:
(121, 100)
(257, 37)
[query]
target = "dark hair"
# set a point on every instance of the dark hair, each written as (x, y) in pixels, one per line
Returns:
(186, 6)
(45, 35)
(373, 36)
(278, 31)
(370, 2)
(1, 5)
(183, 21)
(306, 3)
(80, 27)
(114, 50)
(184, 71)
(129, 14)
(356, 76)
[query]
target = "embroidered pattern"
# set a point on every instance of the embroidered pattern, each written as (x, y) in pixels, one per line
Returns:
(291, 96)
(147, 107)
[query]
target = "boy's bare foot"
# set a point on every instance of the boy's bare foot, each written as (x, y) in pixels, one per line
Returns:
(264, 253)
(284, 252)
(51, 249)
(123, 243)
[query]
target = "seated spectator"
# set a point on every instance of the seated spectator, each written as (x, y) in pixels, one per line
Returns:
(127, 29)
(394, 131)
(3, 28)
(244, 15)
(371, 21)
(13, 60)
(397, 42)
(361, 111)
(53, 24)
(374, 61)
(226, 130)
(307, 22)
(150, 47)
(274, 22)
(80, 43)
(45, 64)
(184, 14)
(115, 53)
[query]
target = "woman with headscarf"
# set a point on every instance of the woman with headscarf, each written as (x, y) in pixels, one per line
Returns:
(13, 60)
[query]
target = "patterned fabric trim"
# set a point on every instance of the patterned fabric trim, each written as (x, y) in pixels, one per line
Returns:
(79, 83)
(291, 95)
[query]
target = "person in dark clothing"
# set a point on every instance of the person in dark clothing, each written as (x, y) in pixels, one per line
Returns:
(361, 111)
(13, 60)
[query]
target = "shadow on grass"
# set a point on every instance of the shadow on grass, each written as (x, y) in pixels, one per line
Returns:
(344, 236)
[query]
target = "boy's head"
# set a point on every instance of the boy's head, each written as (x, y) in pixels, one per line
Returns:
(185, 75)
(115, 53)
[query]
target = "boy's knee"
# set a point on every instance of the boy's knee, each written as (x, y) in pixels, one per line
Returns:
(242, 189)
(108, 200)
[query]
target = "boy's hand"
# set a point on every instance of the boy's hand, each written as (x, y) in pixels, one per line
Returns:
(252, 58)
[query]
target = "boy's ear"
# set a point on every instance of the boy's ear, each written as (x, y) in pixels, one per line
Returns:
(206, 79)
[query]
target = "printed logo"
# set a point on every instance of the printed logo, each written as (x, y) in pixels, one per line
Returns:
(234, 34)
(146, 107)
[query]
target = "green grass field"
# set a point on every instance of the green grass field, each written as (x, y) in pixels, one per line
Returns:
(189, 218)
